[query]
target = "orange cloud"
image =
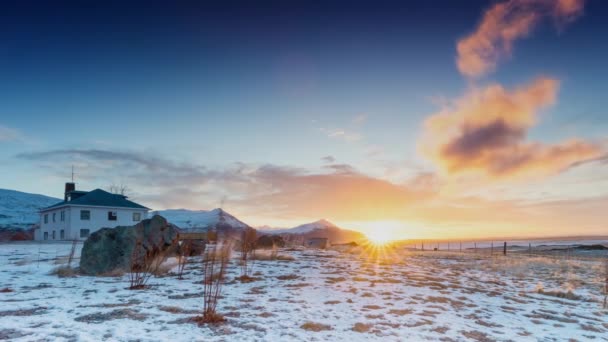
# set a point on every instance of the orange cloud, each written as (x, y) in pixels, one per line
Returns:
(502, 24)
(485, 133)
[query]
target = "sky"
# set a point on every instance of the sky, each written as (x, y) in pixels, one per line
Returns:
(428, 119)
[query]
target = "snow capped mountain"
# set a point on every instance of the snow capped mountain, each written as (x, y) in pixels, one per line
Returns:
(301, 229)
(202, 219)
(20, 209)
(318, 229)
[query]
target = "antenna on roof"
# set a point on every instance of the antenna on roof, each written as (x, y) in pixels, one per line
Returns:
(72, 173)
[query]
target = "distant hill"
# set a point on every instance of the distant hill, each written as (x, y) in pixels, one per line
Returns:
(317, 229)
(20, 209)
(204, 220)
(19, 213)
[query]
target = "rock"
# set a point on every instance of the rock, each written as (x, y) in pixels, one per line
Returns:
(110, 250)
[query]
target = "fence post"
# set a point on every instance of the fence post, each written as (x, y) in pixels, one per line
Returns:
(492, 248)
(504, 250)
(423, 245)
(475, 250)
(529, 249)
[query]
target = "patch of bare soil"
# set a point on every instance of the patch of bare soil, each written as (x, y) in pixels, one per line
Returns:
(9, 334)
(24, 312)
(362, 327)
(176, 310)
(100, 317)
(400, 312)
(316, 327)
(476, 335)
(288, 277)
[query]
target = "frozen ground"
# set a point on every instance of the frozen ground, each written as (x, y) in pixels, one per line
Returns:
(407, 296)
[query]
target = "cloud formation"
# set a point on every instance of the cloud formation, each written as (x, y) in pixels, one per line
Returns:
(265, 194)
(485, 132)
(502, 25)
(8, 134)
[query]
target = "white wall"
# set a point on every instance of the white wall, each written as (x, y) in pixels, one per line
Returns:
(73, 224)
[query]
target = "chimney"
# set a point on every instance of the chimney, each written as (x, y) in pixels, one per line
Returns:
(69, 187)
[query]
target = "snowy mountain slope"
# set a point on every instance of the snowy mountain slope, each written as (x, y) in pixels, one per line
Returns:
(301, 229)
(202, 219)
(20, 209)
(321, 228)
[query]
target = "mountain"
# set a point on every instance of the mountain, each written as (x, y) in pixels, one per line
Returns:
(203, 220)
(317, 229)
(20, 209)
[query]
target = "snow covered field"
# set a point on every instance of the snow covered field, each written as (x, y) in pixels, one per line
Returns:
(319, 296)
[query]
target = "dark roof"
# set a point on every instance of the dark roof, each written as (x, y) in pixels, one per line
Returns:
(100, 198)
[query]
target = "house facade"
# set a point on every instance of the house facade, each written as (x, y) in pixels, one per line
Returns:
(82, 213)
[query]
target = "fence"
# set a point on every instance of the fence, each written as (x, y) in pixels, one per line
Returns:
(556, 249)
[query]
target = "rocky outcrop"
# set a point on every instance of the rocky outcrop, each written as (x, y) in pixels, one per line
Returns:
(111, 250)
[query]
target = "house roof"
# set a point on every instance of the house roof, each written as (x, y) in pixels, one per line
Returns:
(100, 198)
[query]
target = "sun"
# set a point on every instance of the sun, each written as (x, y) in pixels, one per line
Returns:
(380, 237)
(383, 232)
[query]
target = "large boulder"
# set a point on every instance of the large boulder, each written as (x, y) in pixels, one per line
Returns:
(111, 250)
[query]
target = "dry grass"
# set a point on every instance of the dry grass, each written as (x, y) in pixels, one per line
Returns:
(270, 256)
(64, 272)
(246, 279)
(288, 277)
(316, 327)
(209, 318)
(560, 294)
(362, 327)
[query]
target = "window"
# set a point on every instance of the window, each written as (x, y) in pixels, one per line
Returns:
(112, 216)
(46, 218)
(46, 235)
(84, 233)
(85, 215)
(54, 216)
(53, 235)
(61, 234)
(62, 216)
(136, 217)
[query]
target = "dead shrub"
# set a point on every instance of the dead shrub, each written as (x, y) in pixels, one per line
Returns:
(316, 327)
(215, 262)
(247, 248)
(145, 262)
(606, 283)
(183, 258)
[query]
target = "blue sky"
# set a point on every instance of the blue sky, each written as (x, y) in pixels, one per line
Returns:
(234, 87)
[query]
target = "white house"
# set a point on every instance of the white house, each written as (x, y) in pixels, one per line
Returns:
(81, 213)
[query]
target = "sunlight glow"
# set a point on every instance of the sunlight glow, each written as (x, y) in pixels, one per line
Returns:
(383, 232)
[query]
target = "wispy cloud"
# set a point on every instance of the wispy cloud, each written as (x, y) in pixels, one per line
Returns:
(9, 134)
(485, 132)
(502, 25)
(341, 134)
(262, 194)
(328, 159)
